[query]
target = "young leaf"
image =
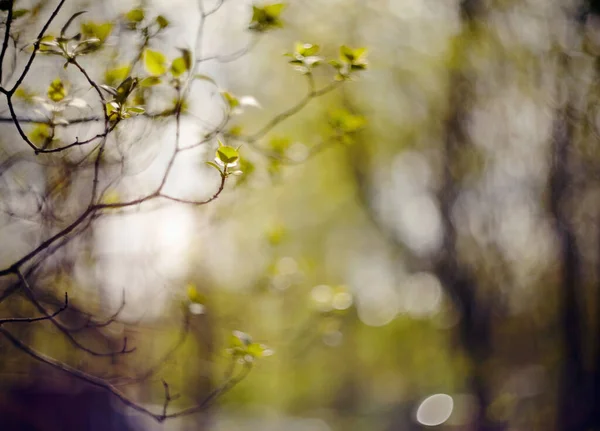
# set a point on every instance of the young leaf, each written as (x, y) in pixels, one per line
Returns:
(214, 165)
(24, 94)
(346, 54)
(118, 74)
(267, 17)
(109, 89)
(125, 89)
(69, 21)
(205, 78)
(178, 67)
(135, 15)
(112, 107)
(155, 62)
(18, 13)
(231, 100)
(240, 339)
(186, 54)
(137, 110)
(40, 134)
(227, 154)
(162, 21)
(49, 45)
(194, 295)
(91, 29)
(150, 81)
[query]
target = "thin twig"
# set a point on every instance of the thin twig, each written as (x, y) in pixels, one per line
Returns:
(36, 319)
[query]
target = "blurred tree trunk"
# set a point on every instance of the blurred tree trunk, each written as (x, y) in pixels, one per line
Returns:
(571, 400)
(459, 283)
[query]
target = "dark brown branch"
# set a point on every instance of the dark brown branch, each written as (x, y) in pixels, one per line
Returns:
(90, 324)
(103, 384)
(28, 120)
(7, 25)
(93, 380)
(198, 203)
(185, 328)
(36, 319)
(65, 331)
(571, 412)
(168, 397)
(36, 47)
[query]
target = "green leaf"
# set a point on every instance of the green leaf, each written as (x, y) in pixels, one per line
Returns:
(57, 90)
(354, 57)
(162, 21)
(118, 74)
(178, 67)
(18, 13)
(267, 17)
(227, 154)
(240, 339)
(346, 53)
(137, 110)
(69, 21)
(214, 165)
(48, 38)
(40, 134)
(92, 29)
(112, 106)
(125, 89)
(255, 350)
(150, 81)
(155, 62)
(48, 44)
(231, 100)
(109, 89)
(274, 10)
(306, 49)
(135, 15)
(358, 67)
(335, 64)
(186, 54)
(205, 78)
(276, 234)
(346, 122)
(280, 145)
(193, 294)
(359, 53)
(247, 167)
(24, 94)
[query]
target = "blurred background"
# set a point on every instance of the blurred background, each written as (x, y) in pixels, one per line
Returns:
(420, 247)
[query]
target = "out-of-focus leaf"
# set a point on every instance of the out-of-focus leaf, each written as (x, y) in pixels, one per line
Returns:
(266, 17)
(150, 81)
(116, 75)
(162, 21)
(57, 90)
(135, 15)
(178, 67)
(155, 62)
(18, 13)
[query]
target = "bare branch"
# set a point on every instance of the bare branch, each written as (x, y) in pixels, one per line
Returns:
(7, 24)
(103, 384)
(275, 121)
(36, 319)
(65, 331)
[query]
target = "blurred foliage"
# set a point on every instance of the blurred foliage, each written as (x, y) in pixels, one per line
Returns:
(333, 248)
